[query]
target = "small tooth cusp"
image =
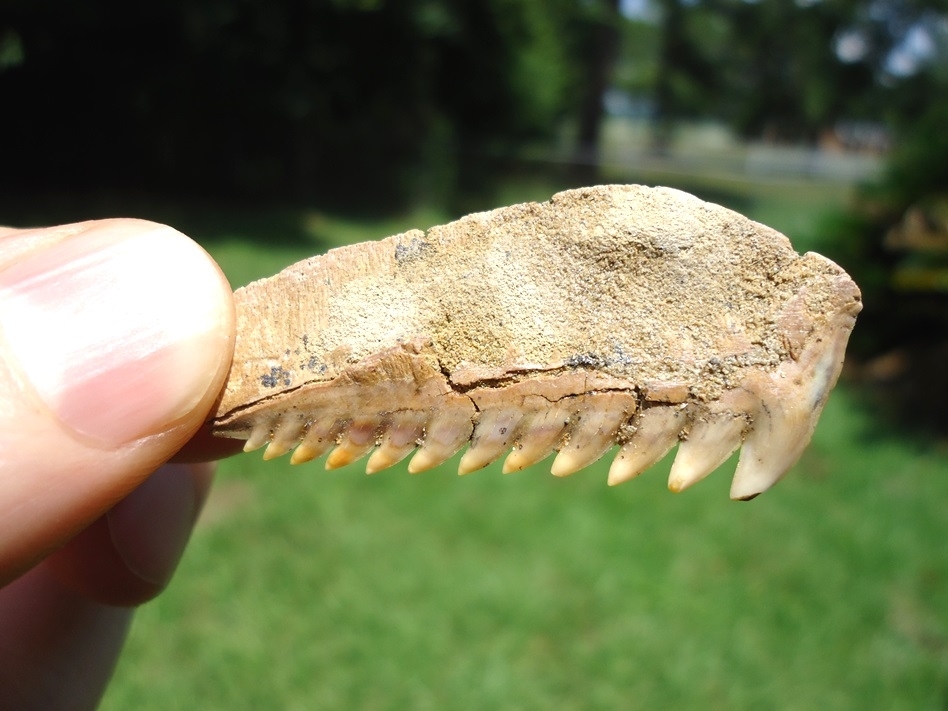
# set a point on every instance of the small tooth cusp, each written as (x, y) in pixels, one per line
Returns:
(285, 437)
(539, 435)
(444, 436)
(354, 444)
(594, 431)
(319, 439)
(276, 449)
(710, 442)
(656, 432)
(258, 437)
(493, 435)
(400, 440)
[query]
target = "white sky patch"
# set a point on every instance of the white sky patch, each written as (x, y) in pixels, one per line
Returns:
(642, 10)
(851, 45)
(915, 49)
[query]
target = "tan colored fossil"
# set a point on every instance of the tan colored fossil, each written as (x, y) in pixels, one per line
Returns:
(614, 315)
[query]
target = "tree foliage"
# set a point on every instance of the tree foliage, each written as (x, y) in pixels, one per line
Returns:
(329, 98)
(786, 69)
(380, 101)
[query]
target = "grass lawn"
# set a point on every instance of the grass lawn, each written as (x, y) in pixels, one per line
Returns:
(307, 589)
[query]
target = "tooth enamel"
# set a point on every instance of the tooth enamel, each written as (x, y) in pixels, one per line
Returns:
(443, 438)
(657, 430)
(304, 453)
(594, 431)
(763, 461)
(387, 455)
(539, 435)
(357, 441)
(355, 444)
(346, 453)
(786, 416)
(258, 437)
(401, 439)
(285, 437)
(710, 441)
(493, 435)
(276, 449)
(320, 437)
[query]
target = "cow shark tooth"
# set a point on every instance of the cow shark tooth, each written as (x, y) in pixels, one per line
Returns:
(613, 316)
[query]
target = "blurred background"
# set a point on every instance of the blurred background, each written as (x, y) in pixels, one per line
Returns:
(270, 131)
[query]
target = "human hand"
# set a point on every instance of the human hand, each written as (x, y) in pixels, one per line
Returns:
(115, 339)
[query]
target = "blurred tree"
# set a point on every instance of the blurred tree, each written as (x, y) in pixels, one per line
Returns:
(789, 69)
(685, 78)
(602, 51)
(347, 100)
(895, 241)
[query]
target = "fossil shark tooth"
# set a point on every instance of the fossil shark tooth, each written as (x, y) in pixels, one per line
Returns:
(657, 430)
(444, 436)
(613, 315)
(318, 439)
(405, 429)
(541, 431)
(710, 442)
(493, 435)
(358, 440)
(593, 430)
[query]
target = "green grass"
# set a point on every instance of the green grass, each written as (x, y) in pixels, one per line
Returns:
(306, 589)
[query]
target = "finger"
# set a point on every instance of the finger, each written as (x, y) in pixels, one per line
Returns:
(115, 338)
(205, 447)
(58, 647)
(127, 556)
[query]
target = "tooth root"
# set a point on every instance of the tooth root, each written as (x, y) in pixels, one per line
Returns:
(710, 441)
(445, 435)
(259, 437)
(593, 434)
(657, 430)
(407, 427)
(538, 437)
(355, 444)
(317, 441)
(493, 435)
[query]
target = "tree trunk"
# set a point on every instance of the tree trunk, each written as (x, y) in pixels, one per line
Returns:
(603, 52)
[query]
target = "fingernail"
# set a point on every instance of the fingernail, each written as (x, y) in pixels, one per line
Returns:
(119, 328)
(151, 526)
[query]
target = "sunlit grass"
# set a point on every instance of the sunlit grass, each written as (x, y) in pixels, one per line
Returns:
(313, 589)
(306, 589)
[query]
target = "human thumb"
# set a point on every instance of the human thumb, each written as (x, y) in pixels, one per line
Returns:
(115, 338)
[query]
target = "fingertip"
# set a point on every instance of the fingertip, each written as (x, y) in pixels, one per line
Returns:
(122, 329)
(129, 555)
(115, 340)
